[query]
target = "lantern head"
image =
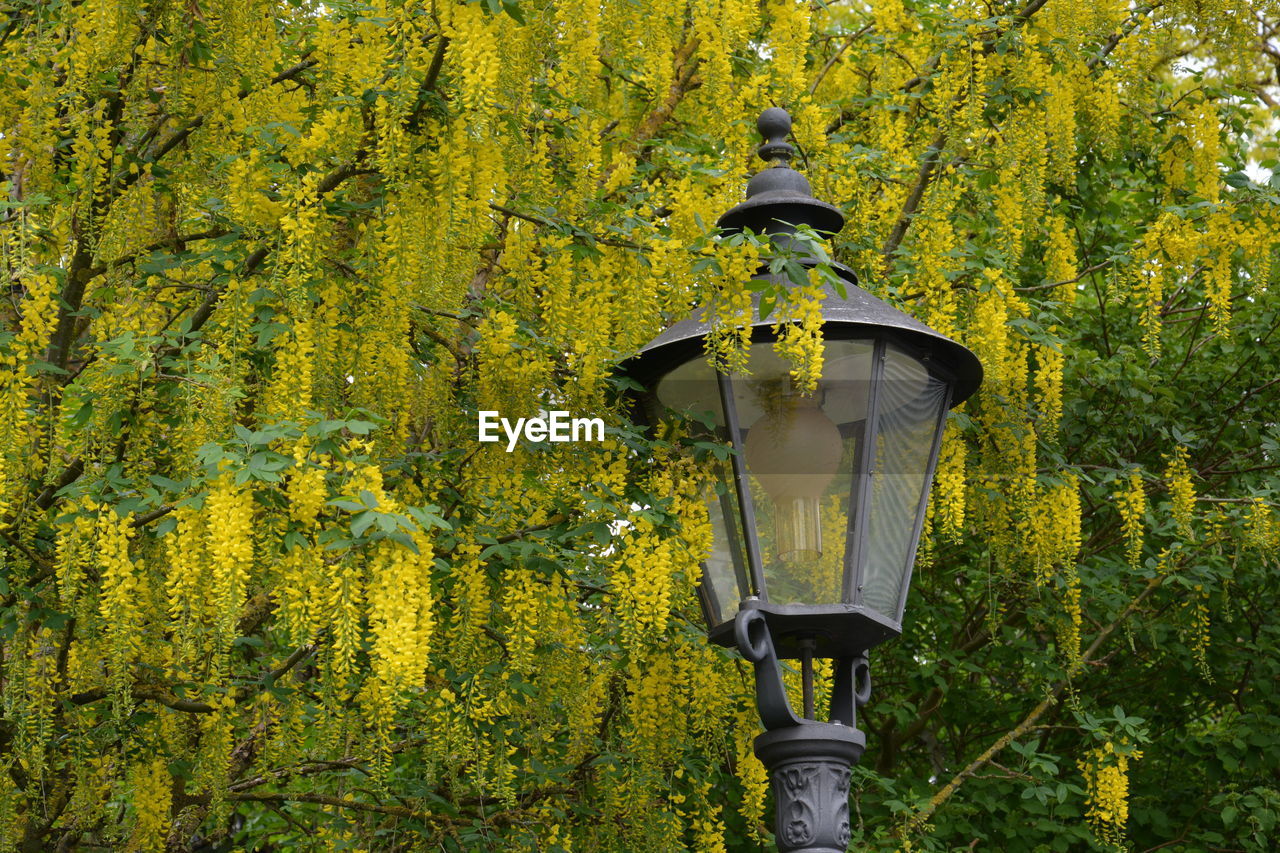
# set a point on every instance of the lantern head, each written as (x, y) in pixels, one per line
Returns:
(817, 511)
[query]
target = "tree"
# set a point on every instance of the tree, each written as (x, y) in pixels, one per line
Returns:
(262, 588)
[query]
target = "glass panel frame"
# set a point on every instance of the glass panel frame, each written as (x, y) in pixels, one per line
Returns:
(742, 485)
(910, 403)
(860, 490)
(925, 493)
(715, 609)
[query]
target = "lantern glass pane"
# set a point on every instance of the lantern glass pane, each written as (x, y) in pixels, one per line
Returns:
(691, 393)
(801, 451)
(909, 407)
(724, 572)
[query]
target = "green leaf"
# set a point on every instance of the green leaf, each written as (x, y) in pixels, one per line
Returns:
(362, 522)
(1239, 180)
(767, 304)
(404, 539)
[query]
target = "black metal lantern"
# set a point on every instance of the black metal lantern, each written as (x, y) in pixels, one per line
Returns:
(820, 506)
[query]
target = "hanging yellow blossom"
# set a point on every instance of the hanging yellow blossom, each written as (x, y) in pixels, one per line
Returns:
(1182, 493)
(800, 337)
(1131, 501)
(1106, 775)
(1261, 531)
(122, 596)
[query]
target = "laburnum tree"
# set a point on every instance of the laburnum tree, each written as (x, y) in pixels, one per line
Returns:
(265, 260)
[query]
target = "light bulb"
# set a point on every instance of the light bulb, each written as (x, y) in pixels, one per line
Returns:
(794, 452)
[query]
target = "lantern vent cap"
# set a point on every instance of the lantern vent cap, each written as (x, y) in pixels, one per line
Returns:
(778, 197)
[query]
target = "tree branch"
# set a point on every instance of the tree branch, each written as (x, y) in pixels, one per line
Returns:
(685, 67)
(1028, 722)
(927, 165)
(128, 179)
(168, 242)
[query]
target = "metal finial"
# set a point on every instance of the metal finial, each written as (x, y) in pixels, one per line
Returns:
(778, 197)
(774, 124)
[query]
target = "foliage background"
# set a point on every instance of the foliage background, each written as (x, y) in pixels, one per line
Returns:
(265, 260)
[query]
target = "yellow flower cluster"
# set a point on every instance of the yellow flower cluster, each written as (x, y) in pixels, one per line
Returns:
(988, 333)
(401, 613)
(1106, 775)
(473, 49)
(1221, 233)
(705, 821)
(789, 39)
(714, 48)
(1182, 493)
(1104, 110)
(1069, 628)
(810, 128)
(123, 594)
(229, 528)
(1262, 533)
(345, 605)
(472, 598)
(578, 25)
(32, 687)
(187, 582)
(290, 392)
(1060, 122)
(1131, 502)
(306, 489)
(1151, 287)
(39, 313)
(246, 195)
(1050, 363)
(150, 795)
(800, 334)
(731, 304)
(1055, 526)
(754, 777)
(654, 707)
(645, 567)
(1206, 147)
(890, 16)
(1196, 604)
(947, 508)
(73, 552)
(1258, 242)
(520, 604)
(1060, 257)
(509, 371)
(935, 244)
(331, 135)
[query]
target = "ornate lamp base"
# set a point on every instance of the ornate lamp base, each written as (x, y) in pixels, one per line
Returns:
(809, 770)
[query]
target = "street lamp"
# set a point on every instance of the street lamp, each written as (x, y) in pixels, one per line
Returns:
(818, 511)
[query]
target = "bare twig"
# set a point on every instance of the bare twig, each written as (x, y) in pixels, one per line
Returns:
(1084, 272)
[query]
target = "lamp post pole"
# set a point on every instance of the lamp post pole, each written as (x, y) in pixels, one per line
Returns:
(782, 581)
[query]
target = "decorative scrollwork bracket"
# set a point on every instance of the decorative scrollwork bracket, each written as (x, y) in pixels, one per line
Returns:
(850, 690)
(809, 761)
